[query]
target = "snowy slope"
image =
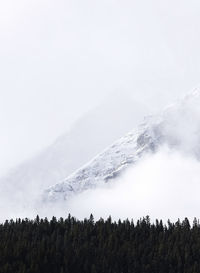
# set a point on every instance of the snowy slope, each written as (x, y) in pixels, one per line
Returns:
(106, 165)
(178, 126)
(92, 133)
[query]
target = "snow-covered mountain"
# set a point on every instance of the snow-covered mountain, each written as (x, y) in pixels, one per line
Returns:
(178, 127)
(92, 133)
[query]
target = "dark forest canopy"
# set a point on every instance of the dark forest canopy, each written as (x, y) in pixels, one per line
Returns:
(73, 246)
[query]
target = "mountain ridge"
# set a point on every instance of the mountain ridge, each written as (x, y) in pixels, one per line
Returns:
(166, 128)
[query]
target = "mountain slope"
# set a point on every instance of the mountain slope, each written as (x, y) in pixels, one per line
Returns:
(108, 164)
(92, 133)
(178, 126)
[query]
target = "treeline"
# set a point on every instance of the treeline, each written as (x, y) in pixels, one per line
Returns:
(73, 246)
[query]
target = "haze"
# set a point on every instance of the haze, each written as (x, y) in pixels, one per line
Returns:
(59, 59)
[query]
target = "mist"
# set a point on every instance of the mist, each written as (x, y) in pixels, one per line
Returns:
(59, 59)
(163, 186)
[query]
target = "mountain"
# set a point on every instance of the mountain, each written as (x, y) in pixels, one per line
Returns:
(178, 127)
(89, 135)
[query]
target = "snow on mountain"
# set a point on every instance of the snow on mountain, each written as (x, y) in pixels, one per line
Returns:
(178, 127)
(107, 165)
(92, 133)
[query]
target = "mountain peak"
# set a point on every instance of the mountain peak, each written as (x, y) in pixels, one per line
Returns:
(177, 127)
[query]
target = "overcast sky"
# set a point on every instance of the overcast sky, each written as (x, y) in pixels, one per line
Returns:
(60, 58)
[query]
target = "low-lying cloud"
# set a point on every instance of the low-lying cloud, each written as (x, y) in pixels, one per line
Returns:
(162, 185)
(165, 186)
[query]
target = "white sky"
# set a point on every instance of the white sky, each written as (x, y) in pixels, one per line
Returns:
(59, 58)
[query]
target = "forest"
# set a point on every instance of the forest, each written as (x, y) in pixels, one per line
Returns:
(104, 246)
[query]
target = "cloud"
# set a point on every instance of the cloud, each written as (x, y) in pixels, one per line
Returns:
(165, 186)
(162, 185)
(60, 58)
